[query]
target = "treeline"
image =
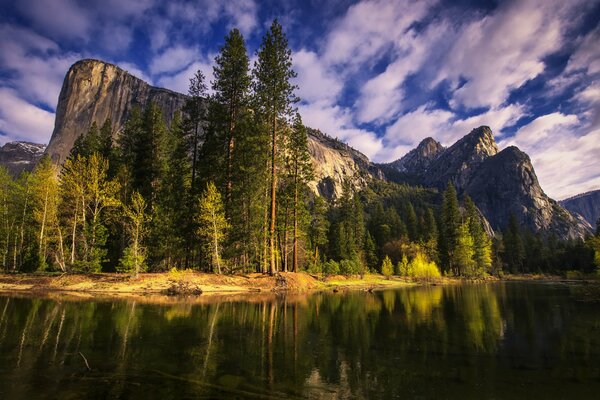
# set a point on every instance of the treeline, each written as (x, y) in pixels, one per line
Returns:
(225, 188)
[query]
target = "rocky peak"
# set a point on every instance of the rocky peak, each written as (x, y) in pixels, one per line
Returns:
(20, 156)
(417, 161)
(507, 184)
(585, 204)
(94, 91)
(457, 163)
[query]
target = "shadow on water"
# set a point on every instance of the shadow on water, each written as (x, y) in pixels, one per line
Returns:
(501, 340)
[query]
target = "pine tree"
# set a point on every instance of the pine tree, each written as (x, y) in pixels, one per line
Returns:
(514, 251)
(449, 224)
(411, 222)
(196, 111)
(482, 244)
(274, 98)
(212, 224)
(231, 86)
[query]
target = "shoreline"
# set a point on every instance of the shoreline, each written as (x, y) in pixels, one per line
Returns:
(192, 284)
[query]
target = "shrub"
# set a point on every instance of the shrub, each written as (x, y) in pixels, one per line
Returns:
(331, 267)
(387, 268)
(419, 268)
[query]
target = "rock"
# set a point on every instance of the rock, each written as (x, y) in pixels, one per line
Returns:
(418, 160)
(20, 156)
(94, 91)
(586, 204)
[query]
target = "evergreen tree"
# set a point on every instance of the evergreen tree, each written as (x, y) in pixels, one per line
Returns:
(482, 244)
(231, 85)
(274, 98)
(196, 111)
(514, 251)
(371, 252)
(450, 222)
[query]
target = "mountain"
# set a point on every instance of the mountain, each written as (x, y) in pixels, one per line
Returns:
(500, 183)
(418, 160)
(20, 156)
(585, 204)
(94, 90)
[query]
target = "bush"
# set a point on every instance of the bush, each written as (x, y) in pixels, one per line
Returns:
(419, 268)
(349, 267)
(331, 268)
(387, 268)
(132, 263)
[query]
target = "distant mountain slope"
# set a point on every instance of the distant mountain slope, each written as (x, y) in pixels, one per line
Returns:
(20, 156)
(585, 204)
(500, 183)
(94, 90)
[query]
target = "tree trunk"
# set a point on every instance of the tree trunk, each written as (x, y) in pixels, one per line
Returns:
(273, 197)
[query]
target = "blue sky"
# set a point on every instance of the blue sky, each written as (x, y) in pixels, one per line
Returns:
(379, 75)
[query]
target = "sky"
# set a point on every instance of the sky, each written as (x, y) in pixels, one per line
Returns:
(380, 75)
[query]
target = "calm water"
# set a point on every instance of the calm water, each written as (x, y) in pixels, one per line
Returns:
(506, 341)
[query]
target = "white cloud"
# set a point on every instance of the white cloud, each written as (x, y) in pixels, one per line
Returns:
(315, 82)
(173, 59)
(38, 69)
(587, 57)
(63, 19)
(23, 121)
(369, 28)
(180, 82)
(504, 50)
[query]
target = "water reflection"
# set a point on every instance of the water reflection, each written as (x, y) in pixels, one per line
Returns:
(497, 340)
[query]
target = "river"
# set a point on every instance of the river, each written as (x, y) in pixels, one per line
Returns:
(473, 341)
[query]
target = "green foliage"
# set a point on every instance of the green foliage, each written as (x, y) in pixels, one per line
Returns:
(422, 269)
(387, 268)
(402, 266)
(331, 267)
(212, 224)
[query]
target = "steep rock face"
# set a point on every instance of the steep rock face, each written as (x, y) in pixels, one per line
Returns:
(586, 204)
(334, 161)
(20, 156)
(507, 184)
(94, 91)
(500, 184)
(418, 160)
(457, 163)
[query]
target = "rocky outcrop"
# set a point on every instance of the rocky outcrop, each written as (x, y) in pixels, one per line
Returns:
(94, 91)
(457, 163)
(500, 184)
(418, 160)
(586, 204)
(333, 162)
(17, 157)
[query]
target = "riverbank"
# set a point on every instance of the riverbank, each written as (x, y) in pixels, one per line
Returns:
(188, 283)
(196, 283)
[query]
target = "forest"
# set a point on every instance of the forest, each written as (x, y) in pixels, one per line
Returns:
(224, 188)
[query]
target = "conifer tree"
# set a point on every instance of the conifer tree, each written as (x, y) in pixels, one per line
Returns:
(387, 268)
(231, 86)
(482, 244)
(464, 252)
(449, 224)
(196, 111)
(274, 99)
(514, 251)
